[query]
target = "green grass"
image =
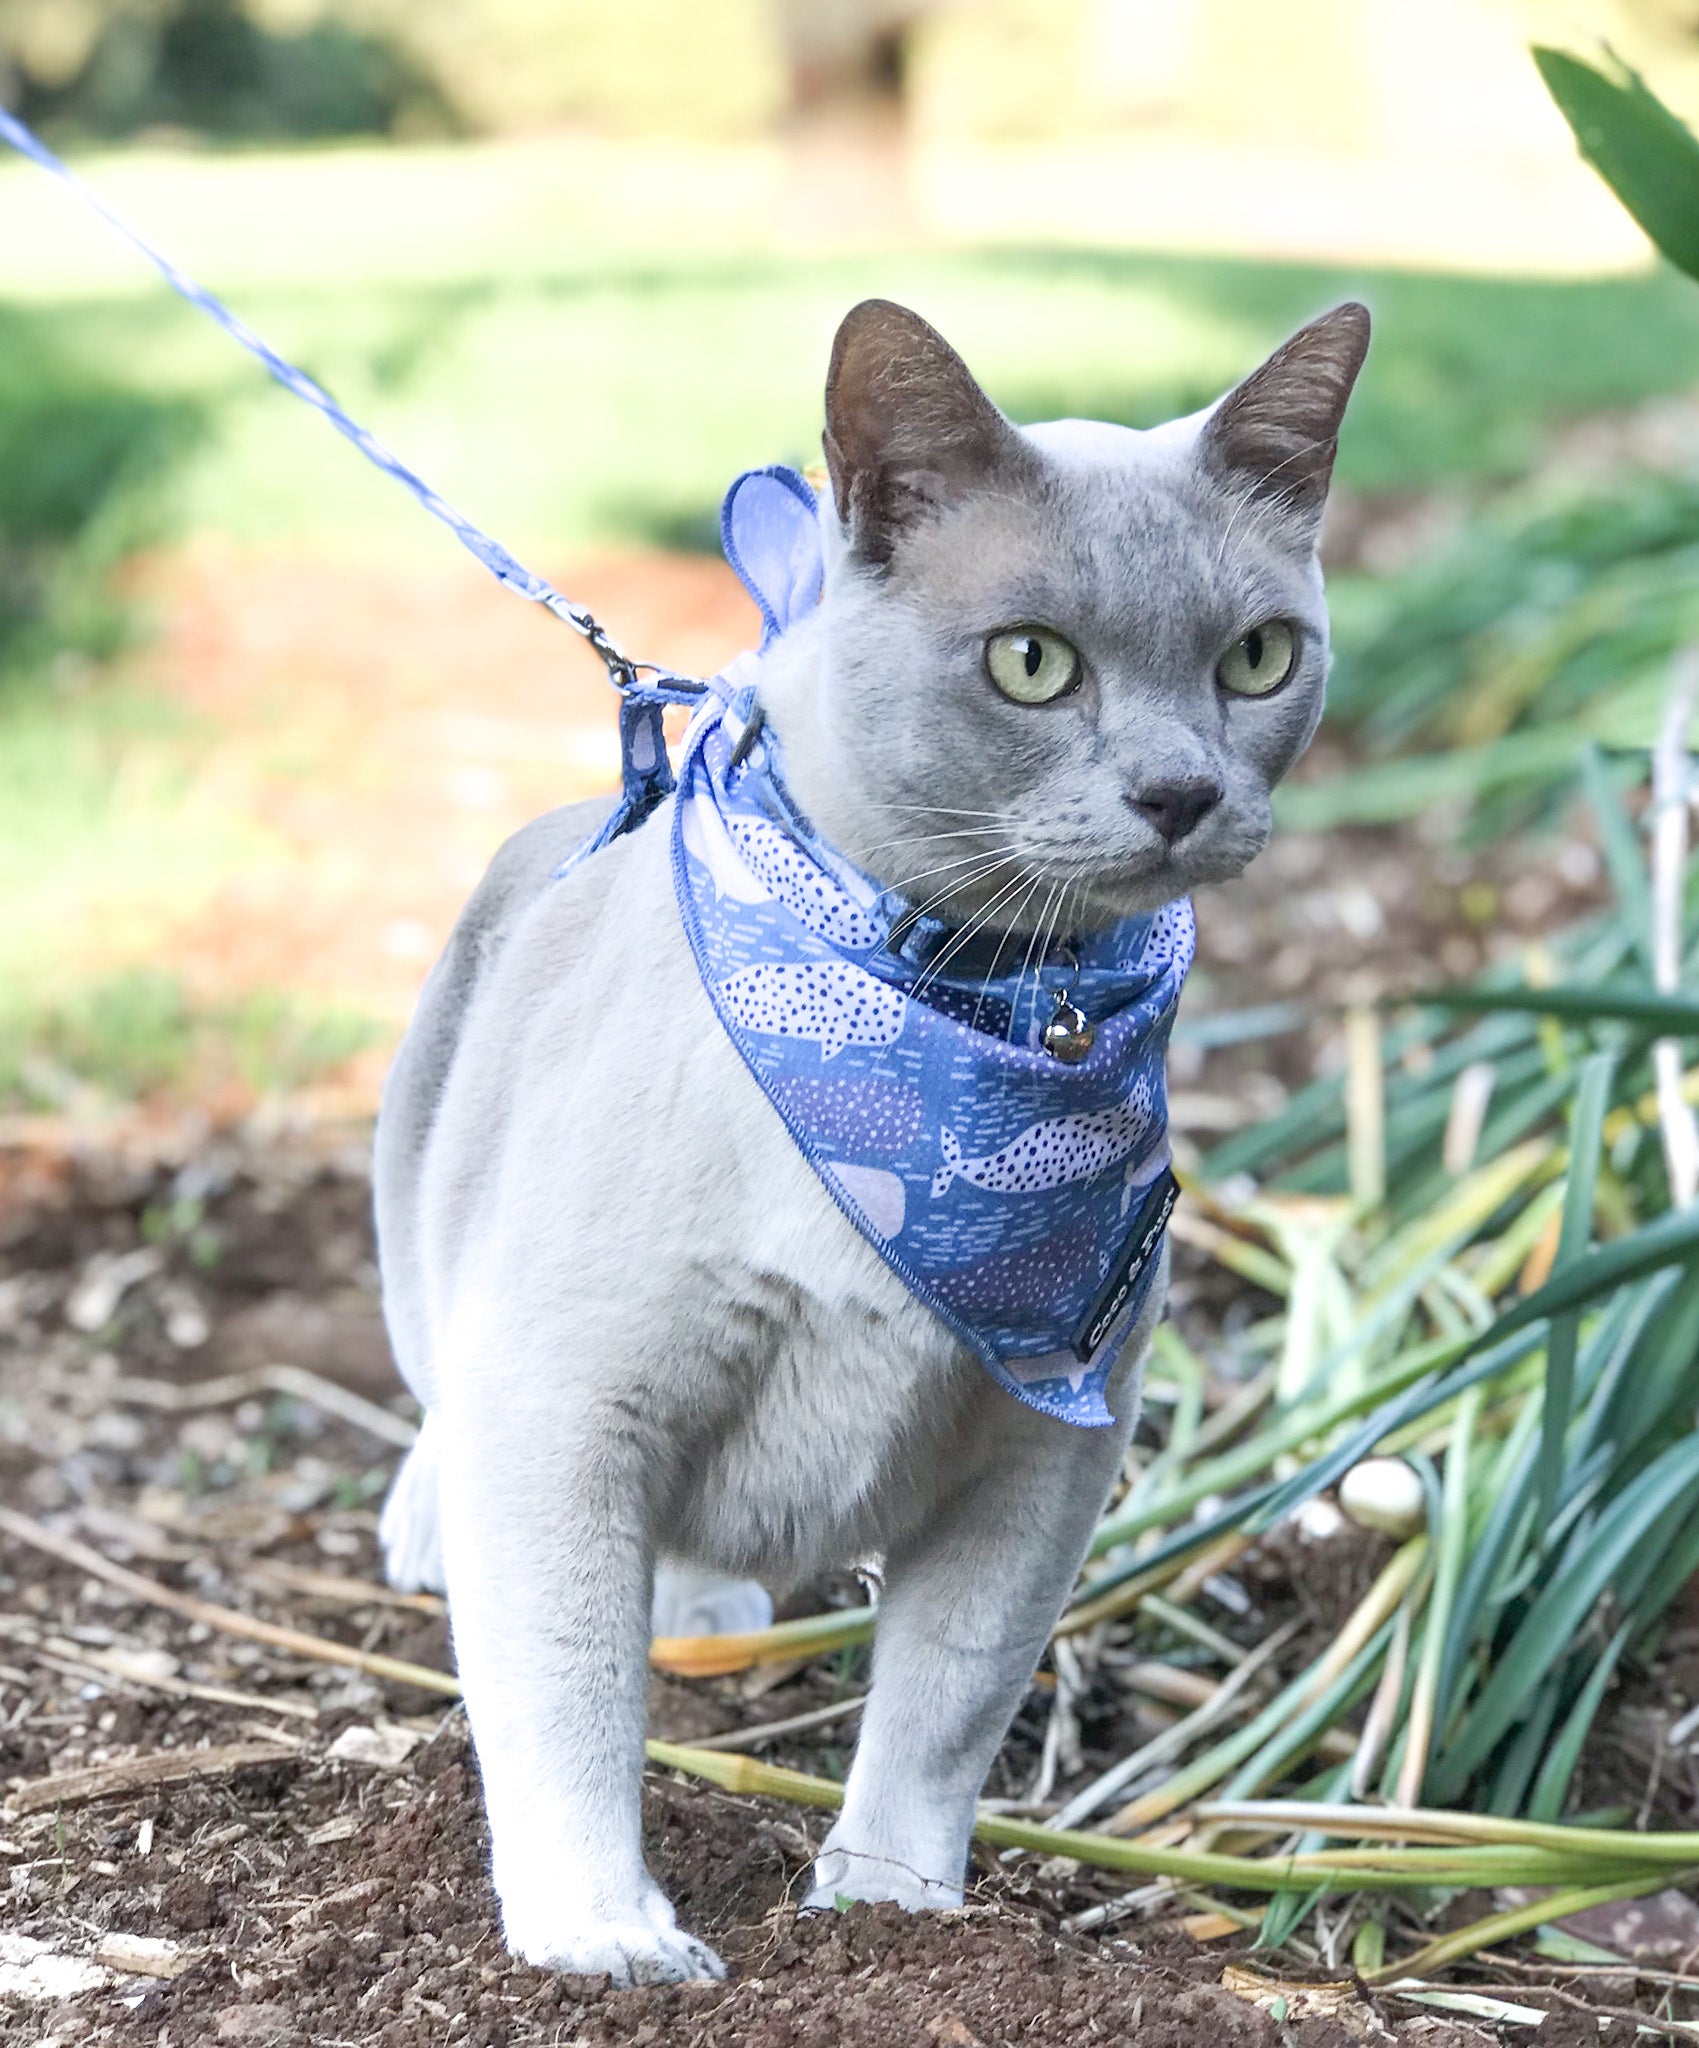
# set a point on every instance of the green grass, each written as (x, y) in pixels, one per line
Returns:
(120, 1037)
(561, 408)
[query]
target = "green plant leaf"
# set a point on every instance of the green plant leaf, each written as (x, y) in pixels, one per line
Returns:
(1555, 1617)
(1592, 1099)
(1620, 844)
(1672, 1239)
(1552, 1785)
(1648, 157)
(1618, 1004)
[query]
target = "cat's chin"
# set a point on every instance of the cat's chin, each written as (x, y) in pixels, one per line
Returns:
(1098, 899)
(1112, 896)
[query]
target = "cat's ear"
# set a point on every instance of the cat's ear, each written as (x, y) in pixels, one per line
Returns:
(1274, 436)
(907, 427)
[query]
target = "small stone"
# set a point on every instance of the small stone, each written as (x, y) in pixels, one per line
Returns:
(143, 1955)
(386, 1745)
(1384, 1494)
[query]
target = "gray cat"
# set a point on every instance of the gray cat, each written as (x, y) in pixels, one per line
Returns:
(1067, 661)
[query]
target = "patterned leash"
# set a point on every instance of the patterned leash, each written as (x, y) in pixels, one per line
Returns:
(647, 777)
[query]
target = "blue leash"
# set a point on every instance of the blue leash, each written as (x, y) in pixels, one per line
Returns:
(646, 775)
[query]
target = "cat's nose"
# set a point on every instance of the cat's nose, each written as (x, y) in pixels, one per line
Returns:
(1175, 807)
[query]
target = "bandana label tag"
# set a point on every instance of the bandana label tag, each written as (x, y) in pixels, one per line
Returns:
(1141, 1247)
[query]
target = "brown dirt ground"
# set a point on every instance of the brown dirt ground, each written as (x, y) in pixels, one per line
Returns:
(315, 1897)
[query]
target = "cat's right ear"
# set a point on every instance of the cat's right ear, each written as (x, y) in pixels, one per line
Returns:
(907, 427)
(1273, 438)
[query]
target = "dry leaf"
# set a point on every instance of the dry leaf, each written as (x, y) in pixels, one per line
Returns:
(1209, 1926)
(1661, 1929)
(1299, 2001)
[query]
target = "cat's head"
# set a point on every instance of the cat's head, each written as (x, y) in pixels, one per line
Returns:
(1061, 668)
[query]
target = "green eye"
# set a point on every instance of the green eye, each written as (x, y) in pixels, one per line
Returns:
(1031, 665)
(1261, 662)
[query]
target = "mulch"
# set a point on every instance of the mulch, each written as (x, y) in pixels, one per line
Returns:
(263, 1849)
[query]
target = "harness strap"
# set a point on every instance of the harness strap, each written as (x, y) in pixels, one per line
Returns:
(646, 776)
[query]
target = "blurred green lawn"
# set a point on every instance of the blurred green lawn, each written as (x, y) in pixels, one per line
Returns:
(598, 396)
(563, 408)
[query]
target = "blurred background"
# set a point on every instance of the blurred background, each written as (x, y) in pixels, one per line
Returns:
(579, 261)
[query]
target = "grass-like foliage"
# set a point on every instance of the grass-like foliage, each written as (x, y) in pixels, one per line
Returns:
(1543, 626)
(141, 1033)
(1475, 677)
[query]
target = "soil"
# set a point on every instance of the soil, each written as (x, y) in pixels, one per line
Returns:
(334, 1888)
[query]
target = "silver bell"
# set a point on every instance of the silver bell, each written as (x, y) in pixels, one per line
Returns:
(1070, 1035)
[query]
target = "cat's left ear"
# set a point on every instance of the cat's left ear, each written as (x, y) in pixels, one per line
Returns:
(1274, 436)
(907, 428)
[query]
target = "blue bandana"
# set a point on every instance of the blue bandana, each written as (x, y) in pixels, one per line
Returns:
(1022, 1200)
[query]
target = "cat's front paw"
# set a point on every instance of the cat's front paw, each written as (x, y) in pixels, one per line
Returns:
(637, 1944)
(843, 1874)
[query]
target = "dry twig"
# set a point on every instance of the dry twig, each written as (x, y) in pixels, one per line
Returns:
(143, 1773)
(228, 1620)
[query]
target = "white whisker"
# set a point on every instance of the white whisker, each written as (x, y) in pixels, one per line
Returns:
(913, 916)
(977, 923)
(1026, 963)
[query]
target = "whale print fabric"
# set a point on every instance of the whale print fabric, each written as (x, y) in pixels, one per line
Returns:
(1001, 1186)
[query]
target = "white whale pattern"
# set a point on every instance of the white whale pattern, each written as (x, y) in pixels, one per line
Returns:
(705, 839)
(830, 1002)
(1055, 1151)
(878, 1193)
(812, 896)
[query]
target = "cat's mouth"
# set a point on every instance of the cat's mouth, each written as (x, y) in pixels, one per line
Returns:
(1079, 885)
(1128, 883)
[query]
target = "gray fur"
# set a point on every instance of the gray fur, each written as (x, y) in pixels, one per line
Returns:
(644, 1334)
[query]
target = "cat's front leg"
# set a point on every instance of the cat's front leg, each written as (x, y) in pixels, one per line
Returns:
(967, 1610)
(547, 1497)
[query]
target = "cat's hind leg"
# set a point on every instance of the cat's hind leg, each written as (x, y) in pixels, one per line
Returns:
(697, 1603)
(410, 1530)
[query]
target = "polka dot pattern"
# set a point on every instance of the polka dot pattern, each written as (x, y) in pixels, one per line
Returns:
(814, 898)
